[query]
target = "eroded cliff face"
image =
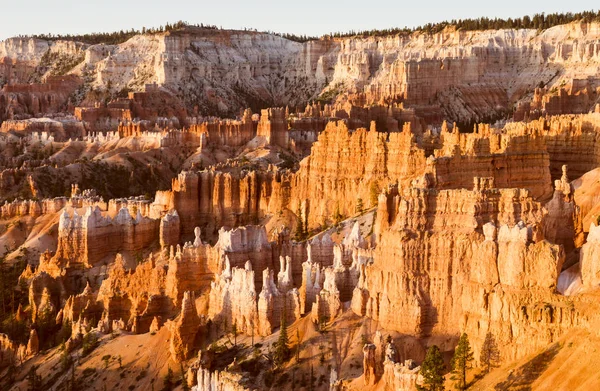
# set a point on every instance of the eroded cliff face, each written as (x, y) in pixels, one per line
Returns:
(347, 166)
(344, 165)
(212, 199)
(461, 75)
(465, 232)
(88, 239)
(569, 139)
(468, 259)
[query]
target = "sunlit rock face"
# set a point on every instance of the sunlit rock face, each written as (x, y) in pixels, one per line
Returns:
(462, 75)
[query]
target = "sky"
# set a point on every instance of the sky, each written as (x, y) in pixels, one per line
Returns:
(305, 17)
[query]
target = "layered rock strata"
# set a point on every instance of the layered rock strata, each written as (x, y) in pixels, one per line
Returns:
(184, 329)
(89, 238)
(491, 241)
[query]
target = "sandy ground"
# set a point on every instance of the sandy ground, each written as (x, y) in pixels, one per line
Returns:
(36, 234)
(145, 360)
(567, 365)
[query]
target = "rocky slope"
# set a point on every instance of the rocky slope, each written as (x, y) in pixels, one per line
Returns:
(462, 75)
(371, 228)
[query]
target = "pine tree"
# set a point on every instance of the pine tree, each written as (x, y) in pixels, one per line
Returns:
(234, 331)
(374, 194)
(299, 235)
(34, 381)
(359, 205)
(490, 355)
(305, 231)
(184, 384)
(337, 215)
(298, 347)
(168, 380)
(463, 356)
(282, 350)
(432, 370)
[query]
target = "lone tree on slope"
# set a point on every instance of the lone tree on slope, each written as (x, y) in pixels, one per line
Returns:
(463, 357)
(432, 370)
(282, 350)
(490, 355)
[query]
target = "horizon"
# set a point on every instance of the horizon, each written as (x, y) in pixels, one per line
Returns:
(271, 17)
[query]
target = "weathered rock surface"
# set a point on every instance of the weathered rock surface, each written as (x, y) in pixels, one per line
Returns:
(511, 268)
(466, 75)
(89, 238)
(589, 260)
(218, 381)
(184, 329)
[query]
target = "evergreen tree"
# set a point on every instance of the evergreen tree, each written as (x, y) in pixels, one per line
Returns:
(168, 380)
(490, 355)
(337, 215)
(184, 383)
(432, 370)
(463, 356)
(65, 360)
(374, 194)
(359, 205)
(299, 345)
(234, 331)
(34, 381)
(300, 230)
(305, 232)
(282, 350)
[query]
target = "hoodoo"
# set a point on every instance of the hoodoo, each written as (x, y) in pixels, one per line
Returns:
(196, 208)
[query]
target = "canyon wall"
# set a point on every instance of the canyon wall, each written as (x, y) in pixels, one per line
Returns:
(347, 166)
(570, 140)
(462, 75)
(90, 237)
(466, 260)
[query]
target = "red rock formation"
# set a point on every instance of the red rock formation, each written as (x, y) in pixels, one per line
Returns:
(211, 199)
(331, 181)
(513, 160)
(20, 101)
(343, 165)
(33, 345)
(586, 197)
(9, 351)
(273, 127)
(81, 306)
(55, 129)
(274, 301)
(369, 364)
(577, 98)
(219, 380)
(153, 105)
(226, 132)
(136, 295)
(589, 264)
(233, 299)
(88, 239)
(563, 225)
(569, 139)
(184, 329)
(169, 229)
(458, 229)
(327, 304)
